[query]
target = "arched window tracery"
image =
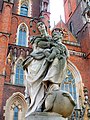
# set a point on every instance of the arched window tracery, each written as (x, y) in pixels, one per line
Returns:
(69, 85)
(19, 73)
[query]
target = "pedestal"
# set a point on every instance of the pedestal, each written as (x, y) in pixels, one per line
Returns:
(44, 116)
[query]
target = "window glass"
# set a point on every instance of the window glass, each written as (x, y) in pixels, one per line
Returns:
(19, 75)
(71, 27)
(16, 113)
(22, 36)
(68, 84)
(24, 10)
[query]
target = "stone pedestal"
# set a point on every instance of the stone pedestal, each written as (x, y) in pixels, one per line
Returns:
(44, 116)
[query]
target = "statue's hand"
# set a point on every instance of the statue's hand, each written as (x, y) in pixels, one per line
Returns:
(27, 101)
(49, 60)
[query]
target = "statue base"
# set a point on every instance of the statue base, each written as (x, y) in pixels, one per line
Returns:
(44, 116)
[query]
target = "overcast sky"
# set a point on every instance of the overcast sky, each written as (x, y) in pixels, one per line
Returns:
(57, 10)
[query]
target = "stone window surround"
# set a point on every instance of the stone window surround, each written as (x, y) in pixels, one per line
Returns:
(17, 99)
(29, 3)
(14, 71)
(78, 81)
(27, 33)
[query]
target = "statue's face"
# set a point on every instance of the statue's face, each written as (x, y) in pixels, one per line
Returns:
(57, 35)
(41, 26)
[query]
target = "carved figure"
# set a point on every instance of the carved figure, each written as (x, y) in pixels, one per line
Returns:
(45, 67)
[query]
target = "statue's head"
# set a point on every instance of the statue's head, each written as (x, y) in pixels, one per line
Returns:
(57, 33)
(41, 26)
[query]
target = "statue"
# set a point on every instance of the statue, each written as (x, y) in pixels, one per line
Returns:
(45, 69)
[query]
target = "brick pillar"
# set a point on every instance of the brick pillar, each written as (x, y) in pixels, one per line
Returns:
(6, 17)
(3, 54)
(4, 38)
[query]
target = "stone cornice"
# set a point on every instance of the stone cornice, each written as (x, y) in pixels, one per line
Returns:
(75, 53)
(71, 43)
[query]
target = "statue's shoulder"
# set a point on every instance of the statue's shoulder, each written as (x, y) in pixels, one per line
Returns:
(63, 46)
(35, 38)
(26, 62)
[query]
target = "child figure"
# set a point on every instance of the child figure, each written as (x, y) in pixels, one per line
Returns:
(52, 47)
(57, 48)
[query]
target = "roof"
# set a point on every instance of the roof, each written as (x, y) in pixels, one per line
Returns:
(69, 36)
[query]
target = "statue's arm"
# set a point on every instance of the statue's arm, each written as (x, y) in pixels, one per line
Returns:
(44, 44)
(26, 92)
(67, 52)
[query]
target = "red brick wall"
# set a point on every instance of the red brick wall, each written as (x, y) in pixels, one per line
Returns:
(4, 38)
(1, 93)
(35, 8)
(3, 54)
(6, 18)
(83, 66)
(77, 21)
(16, 6)
(73, 7)
(84, 37)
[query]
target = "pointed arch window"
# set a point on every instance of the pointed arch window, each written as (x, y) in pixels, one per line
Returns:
(19, 75)
(24, 10)
(16, 113)
(71, 27)
(69, 84)
(16, 107)
(22, 36)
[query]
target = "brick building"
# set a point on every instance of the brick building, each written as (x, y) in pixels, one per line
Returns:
(17, 26)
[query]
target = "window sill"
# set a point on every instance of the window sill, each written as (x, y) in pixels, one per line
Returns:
(6, 83)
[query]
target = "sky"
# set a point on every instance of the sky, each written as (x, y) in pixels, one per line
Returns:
(57, 10)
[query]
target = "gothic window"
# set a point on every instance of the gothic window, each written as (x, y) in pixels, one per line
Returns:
(69, 84)
(19, 73)
(15, 107)
(16, 113)
(24, 10)
(45, 5)
(71, 27)
(22, 36)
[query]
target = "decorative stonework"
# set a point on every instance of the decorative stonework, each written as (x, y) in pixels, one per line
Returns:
(17, 99)
(86, 11)
(45, 6)
(24, 27)
(79, 54)
(19, 60)
(28, 3)
(71, 43)
(78, 82)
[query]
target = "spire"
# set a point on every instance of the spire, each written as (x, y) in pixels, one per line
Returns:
(61, 21)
